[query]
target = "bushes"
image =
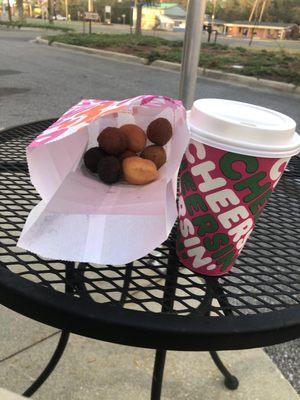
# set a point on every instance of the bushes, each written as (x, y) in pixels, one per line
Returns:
(276, 65)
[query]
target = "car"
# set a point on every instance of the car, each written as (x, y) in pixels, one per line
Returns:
(59, 17)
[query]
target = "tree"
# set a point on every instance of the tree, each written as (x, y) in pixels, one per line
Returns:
(20, 9)
(50, 11)
(296, 14)
(234, 10)
(9, 12)
(231, 10)
(214, 6)
(283, 11)
(286, 11)
(138, 24)
(182, 3)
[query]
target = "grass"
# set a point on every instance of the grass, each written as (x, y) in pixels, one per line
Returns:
(40, 25)
(275, 65)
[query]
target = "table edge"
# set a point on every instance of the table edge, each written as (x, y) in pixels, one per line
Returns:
(145, 329)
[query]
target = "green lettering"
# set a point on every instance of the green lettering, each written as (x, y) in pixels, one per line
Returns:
(216, 241)
(223, 251)
(187, 183)
(252, 183)
(183, 165)
(206, 223)
(257, 206)
(195, 203)
(226, 260)
(180, 246)
(228, 159)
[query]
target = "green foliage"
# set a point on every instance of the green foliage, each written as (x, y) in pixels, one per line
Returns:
(173, 55)
(217, 8)
(215, 46)
(276, 65)
(241, 49)
(101, 40)
(283, 11)
(275, 10)
(234, 10)
(152, 56)
(51, 39)
(19, 24)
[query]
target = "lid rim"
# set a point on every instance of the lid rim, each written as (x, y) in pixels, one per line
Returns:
(257, 144)
(196, 130)
(249, 152)
(223, 118)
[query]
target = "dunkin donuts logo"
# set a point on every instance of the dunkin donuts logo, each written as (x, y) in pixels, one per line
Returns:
(221, 196)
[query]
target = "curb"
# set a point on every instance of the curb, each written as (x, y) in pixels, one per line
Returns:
(24, 28)
(31, 29)
(167, 65)
(227, 76)
(102, 53)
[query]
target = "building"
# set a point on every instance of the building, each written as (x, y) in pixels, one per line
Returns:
(175, 12)
(217, 24)
(165, 16)
(261, 30)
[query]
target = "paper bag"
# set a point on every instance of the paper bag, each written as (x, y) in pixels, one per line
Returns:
(81, 218)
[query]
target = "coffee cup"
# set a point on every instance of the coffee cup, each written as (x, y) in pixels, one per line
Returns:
(235, 158)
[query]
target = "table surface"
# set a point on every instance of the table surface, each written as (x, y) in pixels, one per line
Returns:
(155, 302)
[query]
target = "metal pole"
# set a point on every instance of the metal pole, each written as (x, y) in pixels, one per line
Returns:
(191, 51)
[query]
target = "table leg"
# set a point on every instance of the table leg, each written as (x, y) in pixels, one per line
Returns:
(158, 372)
(50, 366)
(126, 285)
(231, 382)
(217, 292)
(167, 305)
(63, 341)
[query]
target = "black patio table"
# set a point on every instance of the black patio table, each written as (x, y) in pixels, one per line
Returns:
(153, 302)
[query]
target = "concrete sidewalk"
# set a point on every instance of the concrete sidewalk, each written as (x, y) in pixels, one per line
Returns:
(91, 369)
(6, 395)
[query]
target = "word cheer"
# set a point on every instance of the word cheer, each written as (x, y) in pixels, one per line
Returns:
(219, 203)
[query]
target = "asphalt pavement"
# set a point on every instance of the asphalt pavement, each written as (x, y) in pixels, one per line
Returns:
(39, 82)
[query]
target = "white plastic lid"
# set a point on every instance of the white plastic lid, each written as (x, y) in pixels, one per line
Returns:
(243, 128)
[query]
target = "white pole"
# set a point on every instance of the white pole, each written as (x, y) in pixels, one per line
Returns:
(191, 51)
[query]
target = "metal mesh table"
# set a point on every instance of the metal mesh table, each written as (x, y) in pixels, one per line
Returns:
(154, 302)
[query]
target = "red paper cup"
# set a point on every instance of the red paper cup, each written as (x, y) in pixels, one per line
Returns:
(230, 169)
